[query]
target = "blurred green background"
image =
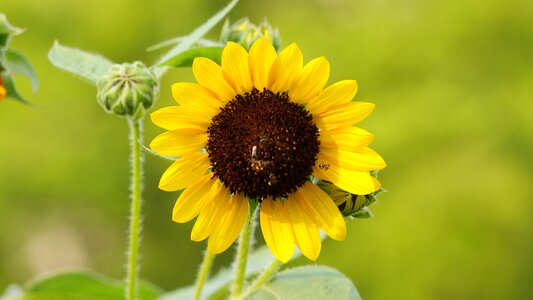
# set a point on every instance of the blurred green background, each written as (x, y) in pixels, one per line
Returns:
(453, 87)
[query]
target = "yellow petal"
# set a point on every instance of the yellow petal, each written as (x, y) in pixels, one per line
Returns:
(179, 142)
(204, 222)
(306, 233)
(229, 224)
(195, 97)
(207, 219)
(193, 199)
(210, 75)
(176, 117)
(348, 139)
(355, 182)
(343, 115)
(364, 159)
(377, 184)
(337, 93)
(235, 66)
(322, 210)
(285, 68)
(184, 172)
(262, 55)
(277, 229)
(310, 81)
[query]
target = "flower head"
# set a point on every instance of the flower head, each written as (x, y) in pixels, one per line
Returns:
(258, 127)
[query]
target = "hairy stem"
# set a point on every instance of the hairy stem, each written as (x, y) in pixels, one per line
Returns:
(263, 278)
(203, 274)
(241, 257)
(135, 210)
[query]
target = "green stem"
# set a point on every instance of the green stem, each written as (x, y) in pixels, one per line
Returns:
(135, 210)
(203, 274)
(263, 277)
(241, 257)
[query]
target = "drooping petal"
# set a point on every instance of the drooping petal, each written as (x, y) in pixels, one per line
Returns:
(277, 229)
(184, 172)
(347, 139)
(235, 66)
(176, 117)
(210, 75)
(310, 81)
(197, 98)
(193, 199)
(355, 182)
(229, 224)
(306, 233)
(364, 159)
(338, 93)
(285, 68)
(322, 210)
(179, 142)
(343, 115)
(262, 55)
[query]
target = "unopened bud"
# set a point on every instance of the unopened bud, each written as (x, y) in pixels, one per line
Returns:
(350, 205)
(128, 89)
(246, 33)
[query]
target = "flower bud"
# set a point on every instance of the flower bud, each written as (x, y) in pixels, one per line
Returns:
(350, 205)
(128, 89)
(246, 33)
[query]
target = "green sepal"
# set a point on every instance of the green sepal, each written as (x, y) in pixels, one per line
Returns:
(16, 63)
(85, 65)
(307, 282)
(82, 286)
(186, 58)
(12, 92)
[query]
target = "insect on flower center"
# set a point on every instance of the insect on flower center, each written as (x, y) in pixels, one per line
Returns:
(262, 145)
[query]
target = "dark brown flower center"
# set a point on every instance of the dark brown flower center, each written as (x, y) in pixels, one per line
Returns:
(262, 145)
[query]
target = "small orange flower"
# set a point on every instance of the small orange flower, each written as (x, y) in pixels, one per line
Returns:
(3, 91)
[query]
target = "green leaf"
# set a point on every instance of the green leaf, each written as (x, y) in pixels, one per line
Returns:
(217, 284)
(86, 65)
(185, 58)
(198, 33)
(179, 39)
(12, 91)
(309, 283)
(7, 31)
(17, 63)
(216, 287)
(82, 286)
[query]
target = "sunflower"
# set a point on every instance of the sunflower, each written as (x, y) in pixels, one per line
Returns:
(260, 126)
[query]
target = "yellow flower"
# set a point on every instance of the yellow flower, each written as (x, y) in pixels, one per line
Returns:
(3, 91)
(258, 127)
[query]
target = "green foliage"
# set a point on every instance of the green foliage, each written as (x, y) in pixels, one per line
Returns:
(86, 65)
(309, 283)
(82, 286)
(185, 58)
(12, 91)
(16, 63)
(7, 31)
(197, 34)
(218, 284)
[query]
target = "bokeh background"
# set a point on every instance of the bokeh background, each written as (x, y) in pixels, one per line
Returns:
(453, 86)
